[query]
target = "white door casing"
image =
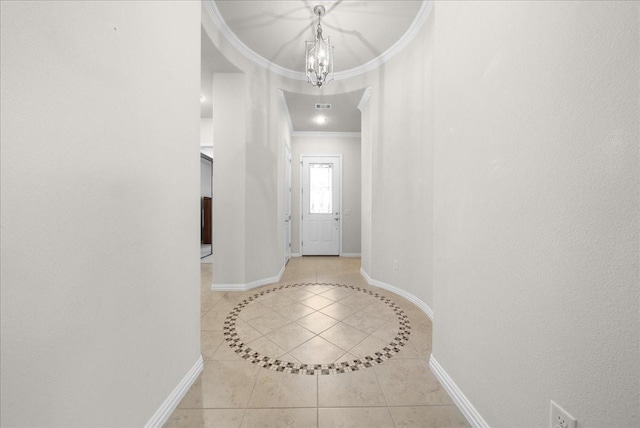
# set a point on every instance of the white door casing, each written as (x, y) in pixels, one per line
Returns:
(287, 203)
(321, 205)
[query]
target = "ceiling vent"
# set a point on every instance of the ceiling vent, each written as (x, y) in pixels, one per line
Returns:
(323, 106)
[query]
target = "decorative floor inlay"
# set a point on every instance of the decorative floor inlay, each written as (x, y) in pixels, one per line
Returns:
(363, 317)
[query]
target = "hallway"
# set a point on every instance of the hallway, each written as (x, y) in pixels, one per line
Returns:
(232, 392)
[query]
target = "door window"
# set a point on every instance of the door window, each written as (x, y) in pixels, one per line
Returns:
(320, 188)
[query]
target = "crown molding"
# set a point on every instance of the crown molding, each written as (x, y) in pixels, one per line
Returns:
(423, 13)
(321, 134)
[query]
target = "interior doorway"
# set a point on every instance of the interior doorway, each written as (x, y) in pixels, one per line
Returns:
(321, 222)
(206, 208)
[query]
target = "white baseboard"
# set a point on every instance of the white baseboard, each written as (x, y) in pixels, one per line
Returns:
(169, 405)
(250, 285)
(399, 291)
(458, 397)
(350, 255)
(296, 255)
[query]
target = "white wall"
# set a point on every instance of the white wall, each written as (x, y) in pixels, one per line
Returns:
(206, 135)
(256, 170)
(397, 147)
(536, 209)
(206, 131)
(229, 178)
(99, 199)
(349, 148)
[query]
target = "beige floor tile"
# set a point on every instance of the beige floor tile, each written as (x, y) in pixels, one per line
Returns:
(306, 278)
(209, 342)
(290, 336)
(214, 318)
(193, 398)
(360, 388)
(207, 300)
(408, 351)
(254, 310)
(222, 384)
(421, 342)
(367, 325)
(281, 418)
(266, 347)
(343, 336)
(225, 353)
(316, 289)
(380, 309)
(408, 382)
(367, 347)
(317, 351)
(346, 358)
(358, 417)
(338, 311)
(295, 311)
(328, 277)
(357, 300)
(269, 323)
(205, 418)
(298, 293)
(337, 293)
(353, 278)
(317, 322)
(388, 331)
(365, 322)
(276, 389)
(275, 301)
(246, 333)
(317, 302)
(428, 417)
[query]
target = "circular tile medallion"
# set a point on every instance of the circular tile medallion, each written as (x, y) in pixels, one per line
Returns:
(281, 365)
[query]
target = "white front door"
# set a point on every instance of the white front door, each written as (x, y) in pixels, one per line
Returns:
(321, 199)
(287, 203)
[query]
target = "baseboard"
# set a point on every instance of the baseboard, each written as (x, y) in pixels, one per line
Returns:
(169, 405)
(350, 255)
(458, 397)
(250, 285)
(296, 255)
(399, 291)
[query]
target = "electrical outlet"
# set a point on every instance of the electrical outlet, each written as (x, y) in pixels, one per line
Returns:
(560, 418)
(396, 265)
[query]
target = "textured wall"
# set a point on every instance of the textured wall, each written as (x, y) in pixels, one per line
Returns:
(398, 168)
(536, 208)
(100, 225)
(229, 178)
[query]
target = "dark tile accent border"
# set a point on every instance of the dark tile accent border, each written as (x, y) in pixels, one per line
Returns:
(401, 338)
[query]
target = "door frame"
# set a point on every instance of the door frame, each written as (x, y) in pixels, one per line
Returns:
(301, 207)
(288, 172)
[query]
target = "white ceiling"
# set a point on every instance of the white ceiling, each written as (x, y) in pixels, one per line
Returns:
(272, 33)
(344, 115)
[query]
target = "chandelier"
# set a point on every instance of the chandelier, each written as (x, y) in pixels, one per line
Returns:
(319, 54)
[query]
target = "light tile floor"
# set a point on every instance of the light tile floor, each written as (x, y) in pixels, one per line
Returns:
(314, 324)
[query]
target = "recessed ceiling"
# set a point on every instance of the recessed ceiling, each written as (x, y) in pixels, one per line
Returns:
(363, 33)
(344, 115)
